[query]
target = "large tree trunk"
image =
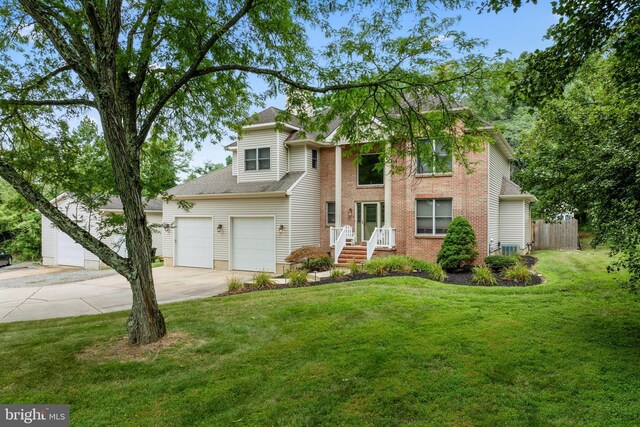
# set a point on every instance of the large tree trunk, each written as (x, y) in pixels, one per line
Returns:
(146, 323)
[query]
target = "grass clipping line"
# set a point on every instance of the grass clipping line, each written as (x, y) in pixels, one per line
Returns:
(121, 350)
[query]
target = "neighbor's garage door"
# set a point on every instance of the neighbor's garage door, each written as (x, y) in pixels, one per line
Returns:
(194, 242)
(253, 244)
(68, 251)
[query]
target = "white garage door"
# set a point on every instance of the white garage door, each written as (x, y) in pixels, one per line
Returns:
(194, 242)
(68, 251)
(253, 244)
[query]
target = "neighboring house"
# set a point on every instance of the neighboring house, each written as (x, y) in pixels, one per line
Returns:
(60, 249)
(285, 190)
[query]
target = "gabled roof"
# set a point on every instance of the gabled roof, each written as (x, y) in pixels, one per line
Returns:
(221, 183)
(115, 204)
(511, 191)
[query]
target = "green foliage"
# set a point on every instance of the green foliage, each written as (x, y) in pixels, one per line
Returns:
(305, 253)
(483, 276)
(389, 264)
(436, 272)
(297, 277)
(375, 266)
(583, 155)
(234, 284)
(19, 225)
(459, 246)
(318, 264)
(336, 273)
(519, 273)
(262, 280)
(497, 263)
(204, 169)
(354, 267)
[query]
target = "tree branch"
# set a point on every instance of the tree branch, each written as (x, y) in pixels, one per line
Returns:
(48, 102)
(189, 74)
(46, 78)
(63, 222)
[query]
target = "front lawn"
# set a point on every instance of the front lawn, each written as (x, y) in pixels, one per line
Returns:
(388, 351)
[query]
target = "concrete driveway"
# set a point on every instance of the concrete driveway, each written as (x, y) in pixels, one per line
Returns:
(108, 294)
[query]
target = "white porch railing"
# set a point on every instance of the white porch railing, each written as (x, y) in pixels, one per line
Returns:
(339, 243)
(334, 232)
(381, 238)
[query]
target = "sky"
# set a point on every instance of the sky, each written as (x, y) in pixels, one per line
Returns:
(514, 32)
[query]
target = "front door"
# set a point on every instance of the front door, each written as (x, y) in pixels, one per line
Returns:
(369, 216)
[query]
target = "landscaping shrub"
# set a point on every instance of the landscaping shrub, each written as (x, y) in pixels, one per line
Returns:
(297, 277)
(518, 273)
(483, 276)
(459, 246)
(262, 280)
(305, 253)
(420, 265)
(318, 264)
(398, 263)
(336, 273)
(354, 267)
(499, 263)
(436, 272)
(375, 266)
(234, 284)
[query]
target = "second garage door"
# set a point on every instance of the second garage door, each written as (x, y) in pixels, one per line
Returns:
(194, 242)
(68, 251)
(253, 244)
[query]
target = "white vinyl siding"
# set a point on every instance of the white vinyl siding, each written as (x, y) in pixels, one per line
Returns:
(156, 232)
(47, 240)
(511, 224)
(282, 154)
(305, 208)
(234, 163)
(498, 167)
(298, 159)
(256, 139)
(221, 210)
(527, 222)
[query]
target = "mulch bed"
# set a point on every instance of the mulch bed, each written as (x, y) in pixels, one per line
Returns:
(462, 277)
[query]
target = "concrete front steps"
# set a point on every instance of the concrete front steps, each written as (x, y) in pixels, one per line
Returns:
(359, 254)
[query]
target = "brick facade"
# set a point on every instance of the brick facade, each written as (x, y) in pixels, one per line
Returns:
(468, 192)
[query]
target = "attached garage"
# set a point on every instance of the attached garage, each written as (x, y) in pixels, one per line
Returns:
(194, 242)
(253, 244)
(68, 252)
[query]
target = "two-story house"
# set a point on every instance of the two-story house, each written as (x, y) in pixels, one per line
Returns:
(285, 189)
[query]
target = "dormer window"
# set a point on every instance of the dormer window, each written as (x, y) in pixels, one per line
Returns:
(440, 161)
(257, 159)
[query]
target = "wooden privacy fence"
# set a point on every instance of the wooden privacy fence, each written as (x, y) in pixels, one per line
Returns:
(557, 235)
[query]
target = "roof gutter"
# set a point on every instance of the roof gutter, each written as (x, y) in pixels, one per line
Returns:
(260, 195)
(527, 196)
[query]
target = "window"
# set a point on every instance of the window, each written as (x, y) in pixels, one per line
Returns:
(440, 158)
(331, 212)
(314, 159)
(257, 159)
(433, 216)
(368, 174)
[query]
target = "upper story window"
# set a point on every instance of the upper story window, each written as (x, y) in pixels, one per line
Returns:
(441, 161)
(257, 159)
(433, 216)
(314, 159)
(368, 173)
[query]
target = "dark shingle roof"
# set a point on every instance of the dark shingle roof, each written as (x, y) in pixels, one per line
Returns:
(270, 116)
(222, 182)
(115, 204)
(510, 188)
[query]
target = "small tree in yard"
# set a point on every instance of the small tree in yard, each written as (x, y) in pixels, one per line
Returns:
(183, 68)
(460, 245)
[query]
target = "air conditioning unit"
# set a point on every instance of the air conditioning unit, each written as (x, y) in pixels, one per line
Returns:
(509, 249)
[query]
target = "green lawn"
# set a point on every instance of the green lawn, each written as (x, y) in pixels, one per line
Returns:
(390, 351)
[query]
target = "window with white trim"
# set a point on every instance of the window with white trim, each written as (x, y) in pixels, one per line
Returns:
(441, 159)
(433, 216)
(257, 159)
(331, 212)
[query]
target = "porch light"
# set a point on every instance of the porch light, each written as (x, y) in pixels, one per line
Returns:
(281, 229)
(350, 213)
(219, 228)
